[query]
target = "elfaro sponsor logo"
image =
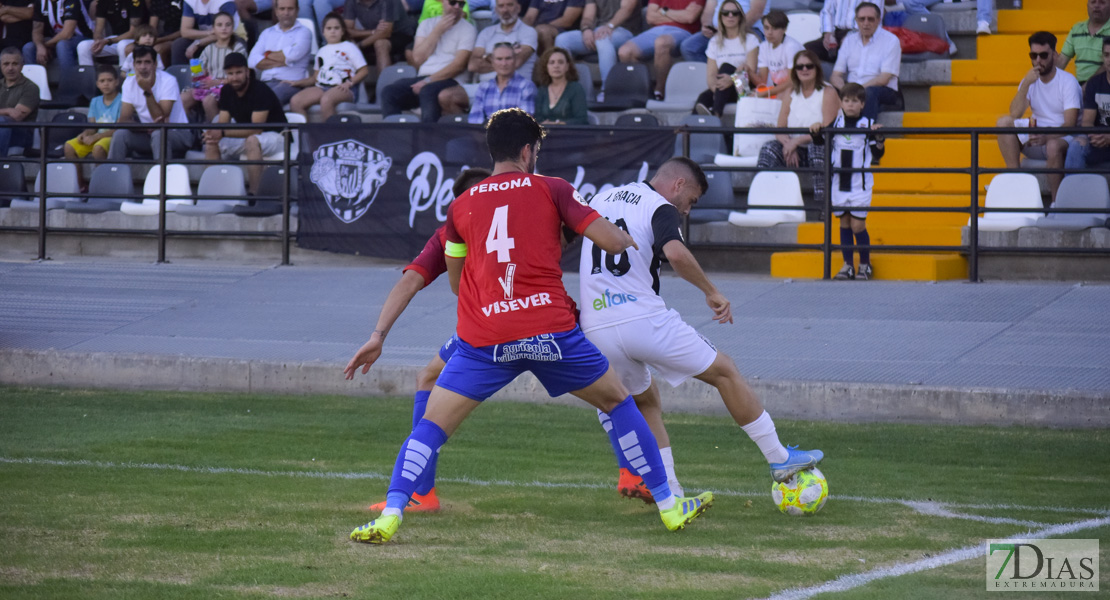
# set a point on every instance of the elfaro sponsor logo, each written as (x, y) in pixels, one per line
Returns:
(1042, 565)
(609, 299)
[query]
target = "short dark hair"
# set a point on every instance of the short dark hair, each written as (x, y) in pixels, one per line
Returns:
(141, 51)
(107, 69)
(12, 50)
(1043, 38)
(694, 169)
(468, 178)
(878, 10)
(776, 19)
(508, 131)
(853, 90)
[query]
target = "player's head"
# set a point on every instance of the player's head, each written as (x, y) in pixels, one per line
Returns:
(852, 98)
(514, 136)
(467, 179)
(681, 181)
(774, 26)
(1042, 52)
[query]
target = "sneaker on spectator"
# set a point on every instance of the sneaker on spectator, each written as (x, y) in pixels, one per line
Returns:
(702, 109)
(984, 28)
(845, 272)
(865, 272)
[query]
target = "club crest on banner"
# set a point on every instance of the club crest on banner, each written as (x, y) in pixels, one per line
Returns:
(349, 175)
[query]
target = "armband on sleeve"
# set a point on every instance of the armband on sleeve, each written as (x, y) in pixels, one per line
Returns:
(455, 249)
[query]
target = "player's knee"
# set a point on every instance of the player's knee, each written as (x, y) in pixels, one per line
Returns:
(721, 371)
(628, 53)
(426, 378)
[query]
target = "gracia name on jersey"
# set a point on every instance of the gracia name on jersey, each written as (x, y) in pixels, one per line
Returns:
(501, 185)
(496, 308)
(607, 299)
(623, 196)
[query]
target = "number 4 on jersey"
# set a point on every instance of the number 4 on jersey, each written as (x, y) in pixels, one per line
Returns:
(498, 239)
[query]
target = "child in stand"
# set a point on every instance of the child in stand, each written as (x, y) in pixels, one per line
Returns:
(340, 68)
(144, 36)
(206, 88)
(853, 190)
(776, 56)
(103, 109)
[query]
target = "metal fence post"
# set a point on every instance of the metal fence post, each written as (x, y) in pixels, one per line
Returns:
(827, 175)
(162, 195)
(973, 221)
(285, 204)
(42, 193)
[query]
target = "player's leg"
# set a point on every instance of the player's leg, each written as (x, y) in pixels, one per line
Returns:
(1009, 144)
(848, 271)
(863, 241)
(651, 406)
(1055, 151)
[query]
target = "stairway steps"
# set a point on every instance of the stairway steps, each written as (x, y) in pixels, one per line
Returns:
(900, 266)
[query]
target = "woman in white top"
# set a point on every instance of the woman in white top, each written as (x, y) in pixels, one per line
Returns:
(340, 69)
(731, 51)
(812, 101)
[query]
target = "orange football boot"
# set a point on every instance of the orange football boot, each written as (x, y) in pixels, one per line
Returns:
(418, 503)
(631, 486)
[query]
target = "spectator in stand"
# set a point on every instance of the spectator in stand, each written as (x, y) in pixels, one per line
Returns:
(197, 17)
(144, 36)
(244, 99)
(165, 18)
(16, 23)
(508, 89)
(838, 19)
(811, 101)
(206, 88)
(671, 21)
(1093, 149)
(560, 99)
(1084, 41)
(118, 16)
(693, 49)
(340, 69)
(19, 102)
(552, 17)
(871, 57)
(606, 25)
(731, 51)
(984, 12)
(283, 51)
(434, 8)
(1055, 97)
(151, 95)
(381, 28)
(776, 54)
(59, 25)
(440, 53)
(102, 109)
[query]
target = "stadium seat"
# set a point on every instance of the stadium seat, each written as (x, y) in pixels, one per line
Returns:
(56, 137)
(637, 120)
(728, 160)
(685, 81)
(76, 87)
(271, 184)
(586, 79)
(459, 119)
(311, 27)
(108, 187)
(703, 146)
(401, 118)
(804, 27)
(344, 119)
(177, 185)
(225, 181)
(1011, 190)
(183, 75)
(627, 86)
(1079, 191)
(12, 184)
(61, 179)
(718, 201)
(37, 74)
(930, 25)
(772, 189)
(593, 119)
(388, 76)
(294, 143)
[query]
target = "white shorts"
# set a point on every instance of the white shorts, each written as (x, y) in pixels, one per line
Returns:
(271, 142)
(663, 341)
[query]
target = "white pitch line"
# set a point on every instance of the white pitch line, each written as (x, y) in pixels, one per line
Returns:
(939, 509)
(848, 582)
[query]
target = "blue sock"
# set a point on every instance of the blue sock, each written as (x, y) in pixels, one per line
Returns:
(412, 461)
(639, 447)
(607, 425)
(419, 403)
(863, 240)
(846, 238)
(427, 481)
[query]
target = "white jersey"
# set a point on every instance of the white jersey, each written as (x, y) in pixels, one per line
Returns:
(852, 151)
(618, 289)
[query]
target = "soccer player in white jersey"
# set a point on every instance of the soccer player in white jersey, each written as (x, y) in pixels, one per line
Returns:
(624, 316)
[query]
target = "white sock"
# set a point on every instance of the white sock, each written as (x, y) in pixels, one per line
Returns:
(668, 465)
(395, 512)
(762, 431)
(665, 504)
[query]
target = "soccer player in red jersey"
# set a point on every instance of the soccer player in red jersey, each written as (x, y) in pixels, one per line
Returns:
(515, 315)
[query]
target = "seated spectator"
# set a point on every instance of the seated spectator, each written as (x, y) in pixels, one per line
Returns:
(776, 54)
(244, 99)
(340, 69)
(812, 101)
(440, 53)
(152, 96)
(552, 17)
(105, 108)
(693, 49)
(434, 8)
(1084, 41)
(984, 12)
(165, 18)
(671, 21)
(381, 28)
(838, 19)
(282, 52)
(1093, 149)
(871, 57)
(560, 99)
(1055, 97)
(16, 23)
(507, 90)
(112, 33)
(606, 25)
(206, 88)
(144, 36)
(197, 17)
(731, 51)
(19, 102)
(59, 25)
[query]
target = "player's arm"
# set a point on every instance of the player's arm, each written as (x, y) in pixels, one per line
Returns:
(454, 272)
(399, 297)
(687, 267)
(609, 237)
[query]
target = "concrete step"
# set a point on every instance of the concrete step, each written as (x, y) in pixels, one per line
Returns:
(903, 234)
(986, 99)
(1057, 20)
(889, 266)
(939, 152)
(922, 119)
(993, 72)
(1077, 8)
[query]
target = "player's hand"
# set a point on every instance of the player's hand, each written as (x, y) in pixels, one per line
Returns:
(366, 356)
(1100, 140)
(628, 241)
(98, 45)
(1035, 140)
(448, 21)
(1030, 77)
(721, 307)
(829, 41)
(589, 39)
(723, 81)
(419, 85)
(876, 127)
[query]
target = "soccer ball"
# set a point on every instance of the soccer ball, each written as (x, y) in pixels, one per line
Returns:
(803, 494)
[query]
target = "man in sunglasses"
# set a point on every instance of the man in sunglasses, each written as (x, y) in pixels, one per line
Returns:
(1054, 96)
(1093, 149)
(871, 57)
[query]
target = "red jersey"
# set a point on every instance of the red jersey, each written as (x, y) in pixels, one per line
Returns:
(512, 286)
(430, 263)
(670, 5)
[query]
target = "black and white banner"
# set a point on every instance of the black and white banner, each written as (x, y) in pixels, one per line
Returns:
(382, 189)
